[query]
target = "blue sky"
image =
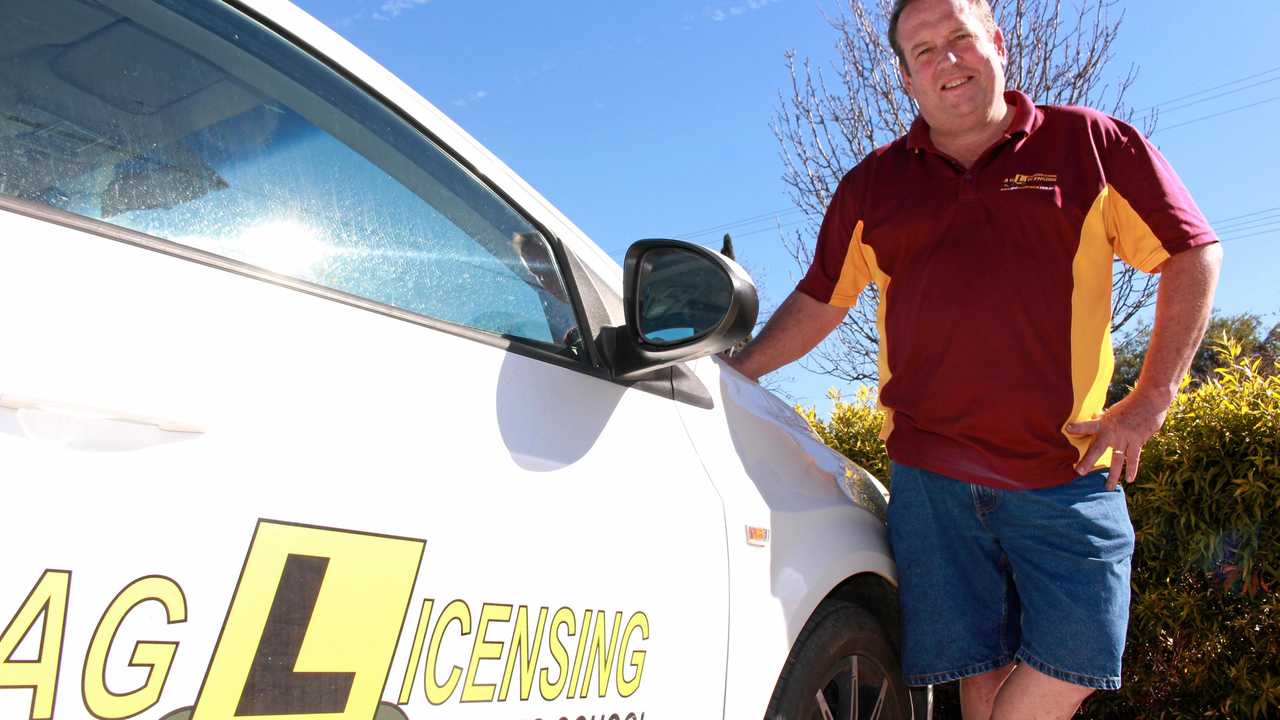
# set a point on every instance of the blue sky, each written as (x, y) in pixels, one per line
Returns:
(652, 119)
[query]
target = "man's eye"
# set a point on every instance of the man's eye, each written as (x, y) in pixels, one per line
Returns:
(923, 51)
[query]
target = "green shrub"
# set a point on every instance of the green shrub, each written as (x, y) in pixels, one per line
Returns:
(853, 430)
(1204, 629)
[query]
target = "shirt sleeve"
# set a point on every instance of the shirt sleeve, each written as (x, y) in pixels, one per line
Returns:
(839, 271)
(1149, 212)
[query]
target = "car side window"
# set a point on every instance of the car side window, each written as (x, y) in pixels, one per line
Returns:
(186, 120)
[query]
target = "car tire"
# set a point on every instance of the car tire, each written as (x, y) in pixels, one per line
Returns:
(840, 650)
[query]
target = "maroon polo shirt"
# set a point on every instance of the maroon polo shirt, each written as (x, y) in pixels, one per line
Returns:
(995, 283)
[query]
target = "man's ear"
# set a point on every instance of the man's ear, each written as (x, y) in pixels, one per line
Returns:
(905, 75)
(998, 39)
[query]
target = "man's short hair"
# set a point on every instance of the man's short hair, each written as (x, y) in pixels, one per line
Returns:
(982, 6)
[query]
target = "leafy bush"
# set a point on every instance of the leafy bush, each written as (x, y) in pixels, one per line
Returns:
(853, 430)
(1204, 628)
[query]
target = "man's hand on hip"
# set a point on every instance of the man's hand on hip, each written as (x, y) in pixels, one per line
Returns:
(1125, 428)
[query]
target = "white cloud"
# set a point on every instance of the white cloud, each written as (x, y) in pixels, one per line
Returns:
(471, 98)
(726, 12)
(349, 20)
(393, 8)
(533, 72)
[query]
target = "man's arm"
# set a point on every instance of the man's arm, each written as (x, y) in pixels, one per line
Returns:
(796, 327)
(1183, 305)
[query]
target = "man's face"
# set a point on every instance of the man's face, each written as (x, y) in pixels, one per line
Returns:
(954, 63)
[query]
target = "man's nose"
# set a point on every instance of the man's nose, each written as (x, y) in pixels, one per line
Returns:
(950, 58)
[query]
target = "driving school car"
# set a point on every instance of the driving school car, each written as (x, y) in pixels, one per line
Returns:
(311, 408)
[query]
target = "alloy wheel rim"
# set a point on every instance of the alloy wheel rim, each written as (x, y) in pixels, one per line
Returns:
(858, 689)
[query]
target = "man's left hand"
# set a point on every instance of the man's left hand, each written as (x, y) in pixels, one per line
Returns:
(1125, 427)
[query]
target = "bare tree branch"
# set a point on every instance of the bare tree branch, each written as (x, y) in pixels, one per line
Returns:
(1057, 54)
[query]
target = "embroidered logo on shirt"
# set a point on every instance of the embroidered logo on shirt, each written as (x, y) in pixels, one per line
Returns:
(1032, 181)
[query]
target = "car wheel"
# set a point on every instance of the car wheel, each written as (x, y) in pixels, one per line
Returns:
(841, 668)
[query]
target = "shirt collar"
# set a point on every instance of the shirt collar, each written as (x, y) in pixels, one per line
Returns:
(1026, 118)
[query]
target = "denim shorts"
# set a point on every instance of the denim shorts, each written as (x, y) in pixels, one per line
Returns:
(989, 576)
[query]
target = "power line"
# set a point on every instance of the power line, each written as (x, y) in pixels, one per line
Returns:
(1218, 114)
(1256, 232)
(1224, 221)
(1274, 231)
(1209, 90)
(748, 225)
(1249, 225)
(1245, 225)
(744, 221)
(779, 228)
(1273, 222)
(1219, 95)
(1250, 217)
(762, 216)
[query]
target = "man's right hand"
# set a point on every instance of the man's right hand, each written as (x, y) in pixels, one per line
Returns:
(795, 328)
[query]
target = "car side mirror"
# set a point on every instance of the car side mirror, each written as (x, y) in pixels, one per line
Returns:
(683, 302)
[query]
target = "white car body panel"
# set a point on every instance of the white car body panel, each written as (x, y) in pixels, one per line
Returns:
(304, 407)
(144, 397)
(817, 539)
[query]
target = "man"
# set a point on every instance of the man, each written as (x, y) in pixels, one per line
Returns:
(990, 230)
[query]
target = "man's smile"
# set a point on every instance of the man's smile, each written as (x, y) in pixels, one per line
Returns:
(958, 82)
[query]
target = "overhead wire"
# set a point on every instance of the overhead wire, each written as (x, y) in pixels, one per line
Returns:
(1219, 95)
(1225, 221)
(1217, 114)
(1198, 93)
(744, 221)
(1261, 222)
(794, 224)
(1233, 238)
(1270, 222)
(1254, 226)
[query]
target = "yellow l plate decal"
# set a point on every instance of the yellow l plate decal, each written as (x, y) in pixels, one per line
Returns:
(313, 626)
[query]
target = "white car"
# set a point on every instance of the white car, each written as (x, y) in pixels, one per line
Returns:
(311, 408)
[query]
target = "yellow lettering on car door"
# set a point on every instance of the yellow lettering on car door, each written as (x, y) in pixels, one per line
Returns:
(156, 656)
(48, 599)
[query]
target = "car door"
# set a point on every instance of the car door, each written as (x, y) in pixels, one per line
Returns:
(298, 414)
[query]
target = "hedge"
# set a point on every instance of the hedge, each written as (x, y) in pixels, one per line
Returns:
(1204, 627)
(853, 430)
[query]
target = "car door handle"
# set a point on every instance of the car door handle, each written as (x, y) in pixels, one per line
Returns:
(89, 429)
